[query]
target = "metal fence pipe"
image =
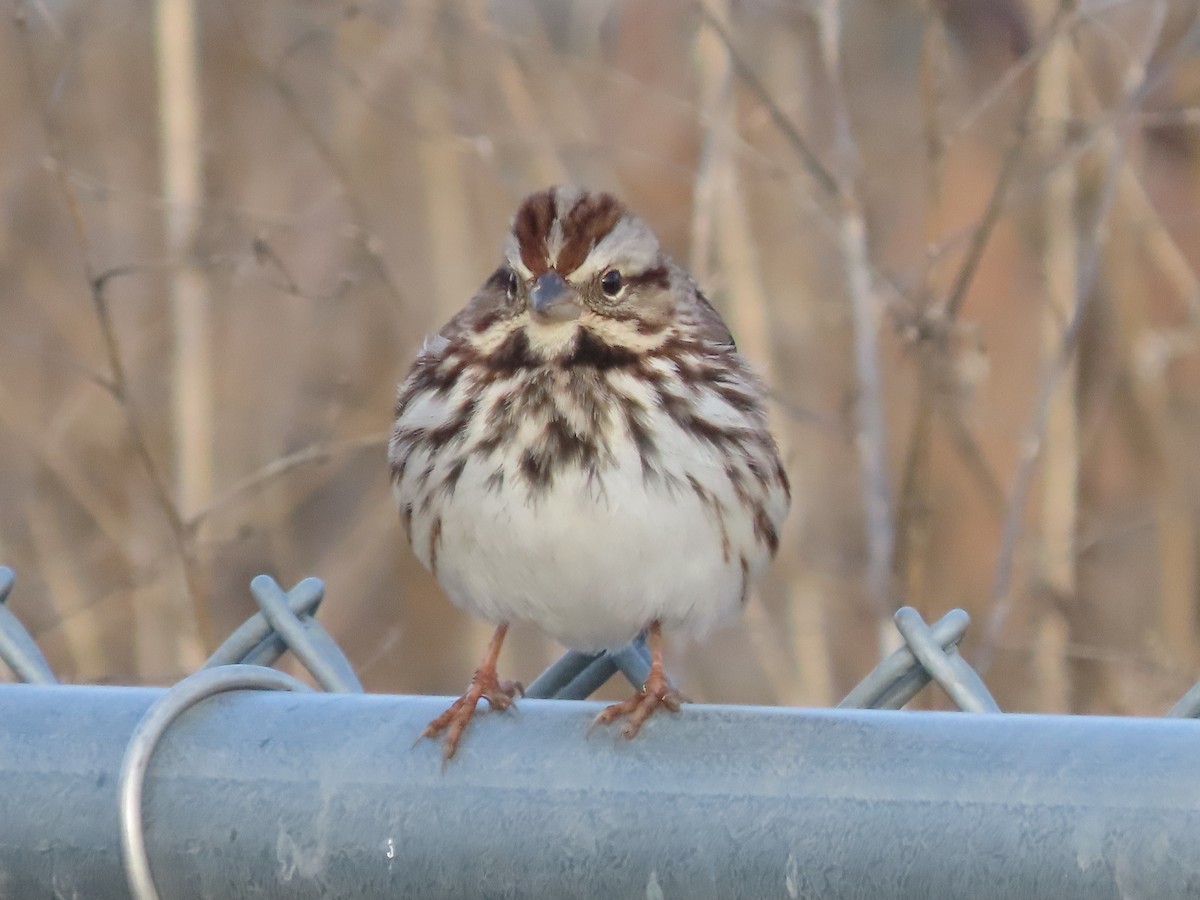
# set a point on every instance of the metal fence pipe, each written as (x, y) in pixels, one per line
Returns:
(314, 795)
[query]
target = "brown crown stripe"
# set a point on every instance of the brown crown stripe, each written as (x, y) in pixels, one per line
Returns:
(591, 218)
(531, 226)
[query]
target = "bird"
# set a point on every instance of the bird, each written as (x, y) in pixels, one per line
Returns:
(583, 447)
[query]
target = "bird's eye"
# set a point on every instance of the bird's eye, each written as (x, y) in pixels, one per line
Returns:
(611, 283)
(510, 283)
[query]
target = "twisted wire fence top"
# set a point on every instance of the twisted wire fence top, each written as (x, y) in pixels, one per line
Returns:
(287, 621)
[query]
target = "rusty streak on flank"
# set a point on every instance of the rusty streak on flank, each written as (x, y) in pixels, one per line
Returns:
(592, 217)
(450, 482)
(764, 530)
(781, 476)
(435, 538)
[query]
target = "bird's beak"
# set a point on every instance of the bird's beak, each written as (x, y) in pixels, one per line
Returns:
(553, 299)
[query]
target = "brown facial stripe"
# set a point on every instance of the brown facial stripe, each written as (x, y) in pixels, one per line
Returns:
(658, 277)
(591, 218)
(513, 355)
(497, 308)
(500, 280)
(487, 319)
(531, 226)
(591, 351)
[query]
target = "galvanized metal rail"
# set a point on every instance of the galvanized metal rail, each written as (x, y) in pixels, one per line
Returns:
(239, 782)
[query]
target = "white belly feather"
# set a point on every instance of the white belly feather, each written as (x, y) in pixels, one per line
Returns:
(592, 567)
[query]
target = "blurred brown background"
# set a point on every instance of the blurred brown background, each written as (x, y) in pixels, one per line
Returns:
(959, 238)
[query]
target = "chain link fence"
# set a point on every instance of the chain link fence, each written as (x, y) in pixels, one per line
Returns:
(248, 797)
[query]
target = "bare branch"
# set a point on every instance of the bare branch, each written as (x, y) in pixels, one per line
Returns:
(117, 382)
(852, 234)
(320, 452)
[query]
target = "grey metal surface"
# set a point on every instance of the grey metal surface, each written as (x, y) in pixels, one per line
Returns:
(256, 795)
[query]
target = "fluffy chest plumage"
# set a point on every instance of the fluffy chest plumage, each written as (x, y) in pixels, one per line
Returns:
(590, 500)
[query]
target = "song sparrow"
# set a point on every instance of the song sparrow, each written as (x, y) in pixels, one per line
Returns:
(583, 447)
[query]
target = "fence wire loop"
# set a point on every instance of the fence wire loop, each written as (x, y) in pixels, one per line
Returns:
(576, 675)
(287, 622)
(947, 667)
(17, 648)
(930, 654)
(158, 718)
(1188, 706)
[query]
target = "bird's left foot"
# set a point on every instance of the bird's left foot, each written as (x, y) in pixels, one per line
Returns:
(655, 694)
(484, 686)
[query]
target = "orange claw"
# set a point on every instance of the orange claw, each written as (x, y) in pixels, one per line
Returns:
(657, 692)
(485, 685)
